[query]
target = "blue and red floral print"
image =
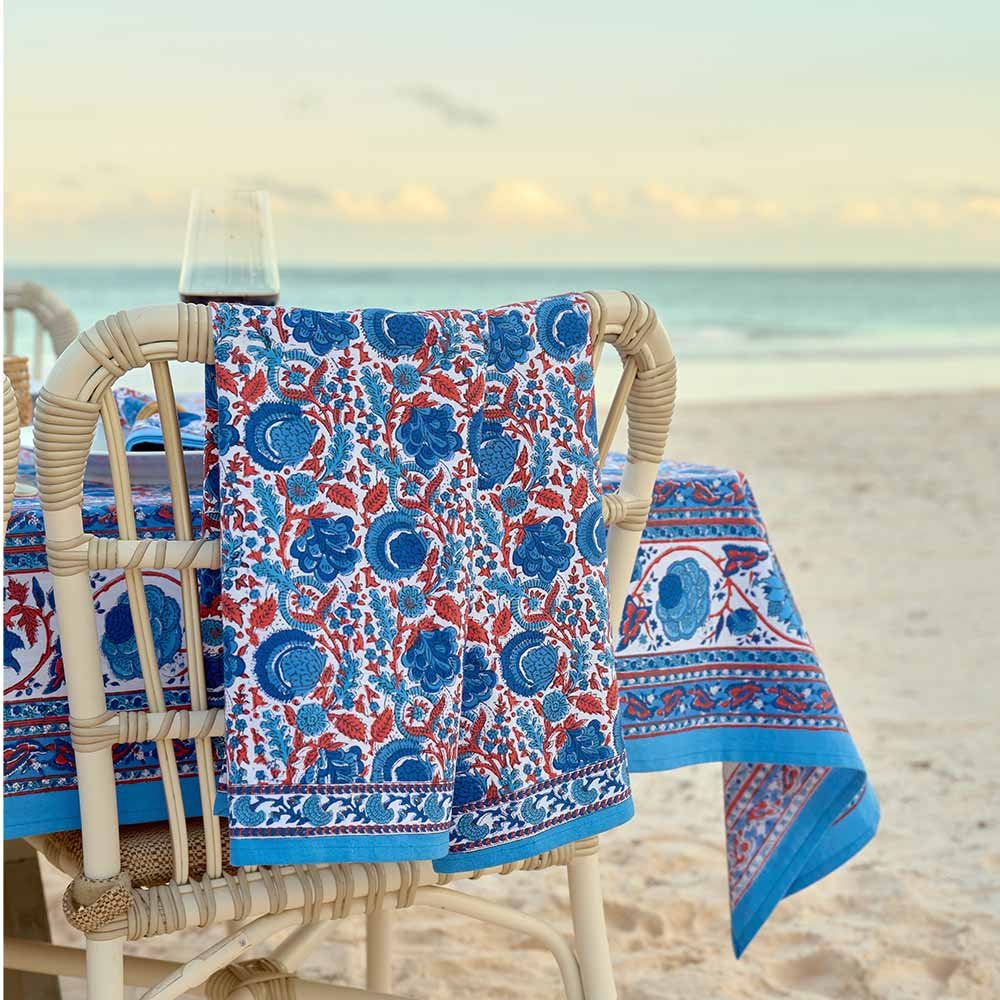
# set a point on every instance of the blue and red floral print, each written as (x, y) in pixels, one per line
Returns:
(413, 610)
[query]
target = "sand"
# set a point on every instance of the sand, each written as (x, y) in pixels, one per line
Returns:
(884, 512)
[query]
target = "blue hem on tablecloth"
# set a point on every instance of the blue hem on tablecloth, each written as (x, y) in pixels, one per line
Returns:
(803, 839)
(548, 840)
(55, 810)
(815, 844)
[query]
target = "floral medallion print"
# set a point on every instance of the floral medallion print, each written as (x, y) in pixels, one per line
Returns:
(402, 581)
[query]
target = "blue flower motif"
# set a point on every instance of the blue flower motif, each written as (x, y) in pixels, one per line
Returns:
(562, 329)
(119, 644)
(469, 786)
(288, 664)
(683, 599)
(432, 659)
(513, 500)
(401, 760)
(326, 548)
(411, 601)
(245, 814)
(226, 434)
(209, 586)
(393, 546)
(278, 436)
(477, 678)
(428, 434)
(583, 375)
(780, 603)
(528, 663)
(301, 489)
(394, 334)
(494, 452)
(311, 719)
(406, 379)
(591, 534)
(583, 746)
(336, 767)
(741, 621)
(555, 706)
(509, 340)
(323, 331)
(544, 551)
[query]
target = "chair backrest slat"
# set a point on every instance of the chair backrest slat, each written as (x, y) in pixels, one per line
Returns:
(183, 530)
(142, 625)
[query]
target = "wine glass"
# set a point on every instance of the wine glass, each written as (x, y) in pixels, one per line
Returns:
(229, 251)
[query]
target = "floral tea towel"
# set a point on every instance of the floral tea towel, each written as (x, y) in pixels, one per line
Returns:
(412, 608)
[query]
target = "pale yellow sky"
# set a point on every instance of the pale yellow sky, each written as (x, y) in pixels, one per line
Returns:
(560, 132)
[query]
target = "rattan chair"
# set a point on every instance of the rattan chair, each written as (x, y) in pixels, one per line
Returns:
(142, 881)
(11, 446)
(52, 317)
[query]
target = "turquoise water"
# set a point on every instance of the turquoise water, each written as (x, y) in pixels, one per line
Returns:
(712, 314)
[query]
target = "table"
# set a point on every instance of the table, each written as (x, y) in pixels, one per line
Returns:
(714, 664)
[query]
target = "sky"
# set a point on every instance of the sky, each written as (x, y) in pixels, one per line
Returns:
(765, 133)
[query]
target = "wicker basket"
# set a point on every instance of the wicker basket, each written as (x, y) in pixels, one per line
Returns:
(15, 367)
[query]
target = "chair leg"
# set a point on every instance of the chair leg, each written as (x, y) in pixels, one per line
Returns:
(589, 930)
(378, 951)
(106, 969)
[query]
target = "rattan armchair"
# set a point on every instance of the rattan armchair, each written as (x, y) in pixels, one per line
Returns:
(52, 317)
(138, 882)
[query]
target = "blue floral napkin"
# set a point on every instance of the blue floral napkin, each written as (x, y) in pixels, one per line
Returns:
(412, 611)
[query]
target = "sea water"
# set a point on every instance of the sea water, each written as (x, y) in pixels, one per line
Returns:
(738, 333)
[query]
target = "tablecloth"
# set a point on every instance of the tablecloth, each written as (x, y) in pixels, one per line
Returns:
(714, 664)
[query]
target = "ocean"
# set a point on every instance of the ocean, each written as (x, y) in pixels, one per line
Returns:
(738, 333)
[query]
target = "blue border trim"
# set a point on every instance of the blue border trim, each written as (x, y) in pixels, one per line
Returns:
(54, 810)
(800, 842)
(296, 849)
(565, 833)
(740, 745)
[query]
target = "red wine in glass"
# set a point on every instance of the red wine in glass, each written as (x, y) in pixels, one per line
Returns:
(229, 252)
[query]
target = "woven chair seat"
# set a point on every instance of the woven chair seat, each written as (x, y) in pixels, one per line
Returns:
(145, 852)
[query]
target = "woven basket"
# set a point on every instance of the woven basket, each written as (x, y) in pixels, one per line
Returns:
(15, 367)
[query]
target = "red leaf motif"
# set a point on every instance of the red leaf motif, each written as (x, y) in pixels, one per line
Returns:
(342, 496)
(263, 614)
(382, 725)
(589, 704)
(351, 726)
(254, 388)
(18, 592)
(224, 380)
(376, 498)
(477, 390)
(579, 495)
(476, 633)
(448, 609)
(444, 386)
(550, 499)
(290, 715)
(228, 608)
(501, 625)
(330, 742)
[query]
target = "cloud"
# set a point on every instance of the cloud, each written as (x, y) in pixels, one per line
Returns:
(984, 206)
(896, 213)
(525, 201)
(708, 208)
(413, 203)
(449, 109)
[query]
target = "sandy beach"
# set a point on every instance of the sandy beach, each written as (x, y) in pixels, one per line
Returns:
(883, 512)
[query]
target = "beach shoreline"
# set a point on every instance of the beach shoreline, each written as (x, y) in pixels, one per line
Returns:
(881, 509)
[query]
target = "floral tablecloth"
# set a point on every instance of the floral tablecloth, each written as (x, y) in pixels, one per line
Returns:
(714, 664)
